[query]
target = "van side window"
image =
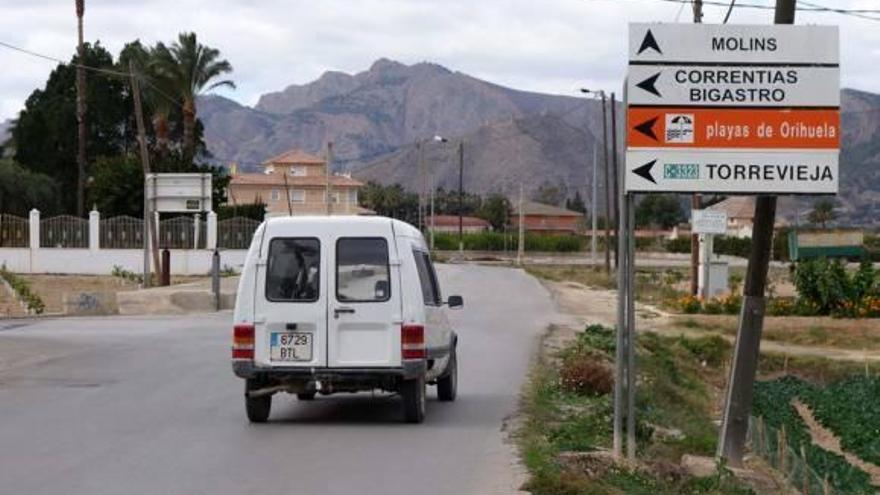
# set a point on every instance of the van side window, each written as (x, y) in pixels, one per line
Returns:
(427, 279)
(362, 272)
(293, 270)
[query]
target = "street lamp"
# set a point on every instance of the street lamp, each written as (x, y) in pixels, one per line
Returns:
(439, 139)
(593, 208)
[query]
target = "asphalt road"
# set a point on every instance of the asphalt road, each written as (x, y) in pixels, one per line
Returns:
(131, 405)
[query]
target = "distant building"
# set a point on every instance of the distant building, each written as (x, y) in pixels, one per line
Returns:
(547, 219)
(449, 223)
(296, 182)
(740, 215)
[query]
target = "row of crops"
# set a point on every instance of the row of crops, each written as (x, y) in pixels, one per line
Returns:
(850, 409)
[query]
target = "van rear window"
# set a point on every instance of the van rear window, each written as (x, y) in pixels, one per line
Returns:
(293, 270)
(362, 273)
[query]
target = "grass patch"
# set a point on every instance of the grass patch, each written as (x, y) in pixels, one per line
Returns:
(674, 412)
(594, 277)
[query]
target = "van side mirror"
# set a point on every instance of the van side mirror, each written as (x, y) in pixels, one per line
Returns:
(455, 302)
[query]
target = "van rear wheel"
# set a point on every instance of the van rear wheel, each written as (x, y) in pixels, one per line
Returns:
(447, 386)
(257, 407)
(413, 393)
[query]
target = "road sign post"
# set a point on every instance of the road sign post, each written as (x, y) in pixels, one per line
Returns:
(725, 109)
(707, 223)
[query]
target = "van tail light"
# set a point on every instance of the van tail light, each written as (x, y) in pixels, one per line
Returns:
(412, 342)
(243, 342)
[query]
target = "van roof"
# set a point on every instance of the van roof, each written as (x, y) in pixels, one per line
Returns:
(322, 222)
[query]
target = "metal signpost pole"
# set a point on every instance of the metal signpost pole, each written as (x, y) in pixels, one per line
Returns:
(620, 353)
(631, 374)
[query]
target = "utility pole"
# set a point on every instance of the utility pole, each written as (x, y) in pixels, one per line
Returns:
(593, 215)
(149, 232)
(608, 198)
(740, 385)
(695, 198)
(80, 112)
(521, 245)
(460, 194)
(698, 11)
(433, 189)
(421, 158)
(329, 187)
(616, 183)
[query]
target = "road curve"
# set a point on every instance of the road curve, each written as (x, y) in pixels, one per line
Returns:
(149, 406)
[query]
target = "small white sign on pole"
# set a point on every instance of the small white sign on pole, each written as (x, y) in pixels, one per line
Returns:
(709, 222)
(179, 192)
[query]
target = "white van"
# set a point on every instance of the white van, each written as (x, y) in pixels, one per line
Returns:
(341, 304)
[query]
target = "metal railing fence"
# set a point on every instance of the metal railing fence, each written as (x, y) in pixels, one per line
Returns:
(64, 231)
(236, 232)
(14, 231)
(121, 232)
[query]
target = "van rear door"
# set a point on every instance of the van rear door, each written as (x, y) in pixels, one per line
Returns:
(290, 314)
(364, 313)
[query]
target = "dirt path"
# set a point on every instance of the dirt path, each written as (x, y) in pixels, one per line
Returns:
(825, 438)
(600, 306)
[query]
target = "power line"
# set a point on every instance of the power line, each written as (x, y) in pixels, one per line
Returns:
(808, 7)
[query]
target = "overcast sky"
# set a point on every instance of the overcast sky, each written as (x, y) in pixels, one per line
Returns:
(552, 46)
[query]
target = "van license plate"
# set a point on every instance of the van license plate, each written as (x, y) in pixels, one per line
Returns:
(290, 346)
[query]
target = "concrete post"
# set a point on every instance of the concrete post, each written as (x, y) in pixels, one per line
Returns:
(94, 231)
(211, 231)
(197, 220)
(34, 229)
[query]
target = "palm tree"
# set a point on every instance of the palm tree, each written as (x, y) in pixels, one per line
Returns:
(190, 68)
(823, 212)
(157, 90)
(80, 111)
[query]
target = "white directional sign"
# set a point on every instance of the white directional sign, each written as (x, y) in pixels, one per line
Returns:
(733, 109)
(742, 86)
(709, 222)
(733, 44)
(732, 171)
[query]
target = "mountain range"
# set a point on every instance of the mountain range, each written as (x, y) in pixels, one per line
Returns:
(375, 118)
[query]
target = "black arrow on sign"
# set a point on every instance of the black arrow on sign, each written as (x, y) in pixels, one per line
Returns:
(645, 171)
(649, 42)
(647, 128)
(648, 84)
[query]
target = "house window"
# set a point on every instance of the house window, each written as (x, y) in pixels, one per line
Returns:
(298, 196)
(276, 195)
(353, 196)
(298, 171)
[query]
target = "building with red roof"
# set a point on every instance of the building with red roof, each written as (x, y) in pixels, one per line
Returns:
(297, 183)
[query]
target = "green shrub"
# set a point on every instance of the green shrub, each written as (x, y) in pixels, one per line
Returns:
(825, 288)
(679, 245)
(498, 241)
(733, 246)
